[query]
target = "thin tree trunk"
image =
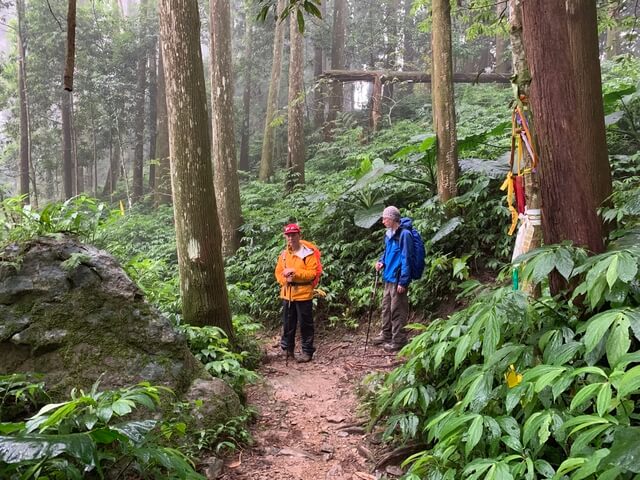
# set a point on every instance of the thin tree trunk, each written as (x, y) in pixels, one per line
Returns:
(444, 115)
(337, 62)
(71, 46)
(198, 238)
(67, 160)
(138, 162)
(567, 191)
(266, 159)
(246, 96)
(225, 172)
(153, 113)
(163, 173)
(295, 133)
(25, 148)
(502, 65)
(318, 68)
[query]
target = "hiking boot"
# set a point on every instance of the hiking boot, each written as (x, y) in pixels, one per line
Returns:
(392, 347)
(304, 358)
(380, 339)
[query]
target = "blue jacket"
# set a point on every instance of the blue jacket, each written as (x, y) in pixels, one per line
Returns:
(398, 249)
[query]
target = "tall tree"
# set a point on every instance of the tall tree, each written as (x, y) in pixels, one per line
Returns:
(163, 172)
(295, 132)
(444, 115)
(243, 164)
(198, 238)
(318, 68)
(502, 64)
(338, 39)
(153, 111)
(583, 36)
(67, 99)
(266, 159)
(225, 170)
(565, 177)
(25, 148)
(141, 89)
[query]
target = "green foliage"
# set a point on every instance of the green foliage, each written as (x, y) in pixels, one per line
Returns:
(88, 436)
(81, 216)
(512, 387)
(211, 346)
(19, 395)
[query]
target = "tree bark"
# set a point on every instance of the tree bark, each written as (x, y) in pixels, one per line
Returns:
(67, 160)
(444, 115)
(337, 62)
(246, 96)
(295, 132)
(71, 46)
(502, 65)
(225, 171)
(153, 112)
(583, 37)
(198, 238)
(266, 159)
(141, 88)
(318, 68)
(163, 172)
(567, 191)
(25, 147)
(114, 166)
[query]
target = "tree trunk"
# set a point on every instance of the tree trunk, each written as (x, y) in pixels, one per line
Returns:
(67, 160)
(318, 68)
(444, 115)
(141, 87)
(583, 35)
(198, 238)
(502, 65)
(70, 55)
(153, 113)
(337, 62)
(225, 171)
(266, 159)
(409, 51)
(114, 166)
(295, 132)
(567, 191)
(25, 148)
(612, 42)
(246, 96)
(163, 173)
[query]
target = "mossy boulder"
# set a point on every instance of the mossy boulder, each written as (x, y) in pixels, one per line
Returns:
(69, 311)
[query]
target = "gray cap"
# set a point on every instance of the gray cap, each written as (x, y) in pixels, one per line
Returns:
(391, 212)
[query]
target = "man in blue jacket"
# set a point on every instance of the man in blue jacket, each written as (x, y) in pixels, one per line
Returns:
(395, 260)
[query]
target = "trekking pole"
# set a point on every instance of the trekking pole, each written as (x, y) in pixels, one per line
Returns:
(373, 298)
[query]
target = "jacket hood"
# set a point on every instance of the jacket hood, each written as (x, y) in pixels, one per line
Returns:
(406, 222)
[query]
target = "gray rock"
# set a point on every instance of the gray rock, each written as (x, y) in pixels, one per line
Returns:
(85, 319)
(218, 402)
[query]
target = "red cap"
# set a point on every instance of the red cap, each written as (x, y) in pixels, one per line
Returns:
(291, 228)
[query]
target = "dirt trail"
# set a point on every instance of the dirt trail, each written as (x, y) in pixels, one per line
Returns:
(307, 426)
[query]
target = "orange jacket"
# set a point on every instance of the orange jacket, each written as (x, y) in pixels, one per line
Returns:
(304, 274)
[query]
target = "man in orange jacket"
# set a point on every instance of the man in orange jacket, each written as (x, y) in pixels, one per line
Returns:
(296, 271)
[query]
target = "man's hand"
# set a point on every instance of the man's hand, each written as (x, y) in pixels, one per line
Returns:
(401, 289)
(379, 266)
(288, 274)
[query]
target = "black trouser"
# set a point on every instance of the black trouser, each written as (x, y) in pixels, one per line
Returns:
(292, 313)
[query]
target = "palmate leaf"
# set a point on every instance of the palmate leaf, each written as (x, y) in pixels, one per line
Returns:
(39, 446)
(369, 217)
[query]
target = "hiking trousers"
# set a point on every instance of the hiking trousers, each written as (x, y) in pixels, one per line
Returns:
(395, 312)
(294, 312)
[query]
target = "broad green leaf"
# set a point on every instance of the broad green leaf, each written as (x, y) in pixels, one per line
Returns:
(569, 465)
(597, 327)
(136, 431)
(585, 394)
(603, 401)
(547, 379)
(544, 468)
(542, 266)
(625, 449)
(618, 342)
(36, 447)
(121, 407)
(462, 349)
(564, 263)
(584, 421)
(612, 271)
(474, 435)
(582, 443)
(630, 382)
(591, 465)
